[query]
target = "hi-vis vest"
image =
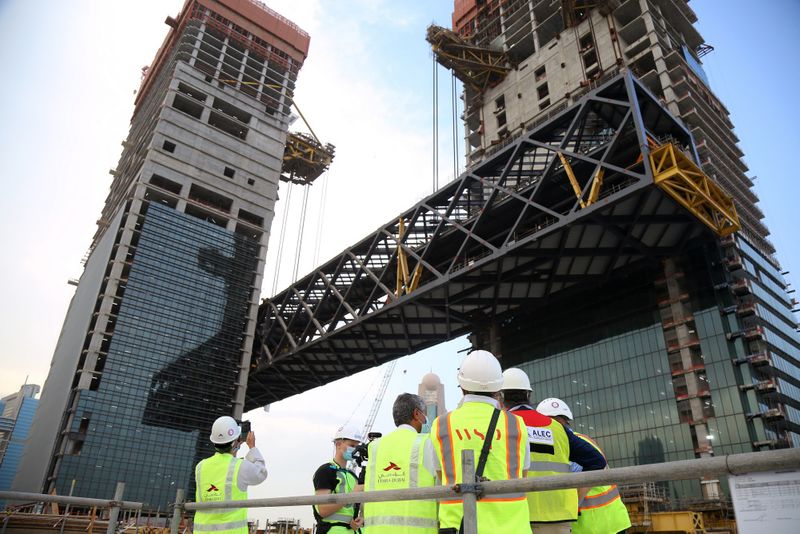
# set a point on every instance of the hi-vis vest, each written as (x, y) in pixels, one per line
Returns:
(549, 456)
(216, 479)
(396, 462)
(602, 510)
(346, 483)
(464, 428)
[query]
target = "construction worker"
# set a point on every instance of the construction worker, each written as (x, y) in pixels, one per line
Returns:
(468, 427)
(224, 477)
(552, 447)
(334, 477)
(601, 510)
(402, 459)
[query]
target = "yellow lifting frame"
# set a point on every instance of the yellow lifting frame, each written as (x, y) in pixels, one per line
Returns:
(680, 178)
(594, 190)
(404, 285)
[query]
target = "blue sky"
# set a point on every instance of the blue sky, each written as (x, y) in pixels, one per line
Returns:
(70, 72)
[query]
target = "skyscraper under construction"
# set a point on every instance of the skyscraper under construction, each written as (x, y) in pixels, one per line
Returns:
(157, 340)
(694, 355)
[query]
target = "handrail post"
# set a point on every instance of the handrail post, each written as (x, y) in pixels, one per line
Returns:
(113, 512)
(469, 487)
(177, 512)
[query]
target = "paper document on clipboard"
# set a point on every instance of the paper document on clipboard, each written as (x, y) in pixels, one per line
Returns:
(766, 502)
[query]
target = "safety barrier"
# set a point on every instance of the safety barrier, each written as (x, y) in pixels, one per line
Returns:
(114, 505)
(735, 464)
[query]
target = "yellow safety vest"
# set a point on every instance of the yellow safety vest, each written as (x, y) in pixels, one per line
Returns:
(346, 483)
(602, 510)
(464, 428)
(549, 456)
(216, 480)
(396, 462)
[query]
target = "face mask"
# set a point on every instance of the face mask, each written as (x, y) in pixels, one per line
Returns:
(348, 454)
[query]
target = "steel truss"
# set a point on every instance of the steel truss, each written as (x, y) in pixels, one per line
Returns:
(476, 66)
(509, 232)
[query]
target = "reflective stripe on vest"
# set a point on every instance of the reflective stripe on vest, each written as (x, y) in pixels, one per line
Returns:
(602, 510)
(397, 461)
(345, 514)
(463, 429)
(399, 521)
(600, 499)
(550, 466)
(220, 470)
(551, 505)
(219, 527)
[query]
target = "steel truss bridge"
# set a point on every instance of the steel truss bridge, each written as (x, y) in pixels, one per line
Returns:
(601, 187)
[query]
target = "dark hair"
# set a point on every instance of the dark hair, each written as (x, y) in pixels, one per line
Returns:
(515, 397)
(404, 406)
(224, 447)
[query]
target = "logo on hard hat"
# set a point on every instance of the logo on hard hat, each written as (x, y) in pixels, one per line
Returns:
(554, 404)
(392, 467)
(230, 431)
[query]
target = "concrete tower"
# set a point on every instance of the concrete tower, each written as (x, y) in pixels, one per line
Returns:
(696, 356)
(157, 340)
(431, 390)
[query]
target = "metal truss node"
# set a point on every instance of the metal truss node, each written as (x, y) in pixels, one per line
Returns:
(513, 231)
(681, 179)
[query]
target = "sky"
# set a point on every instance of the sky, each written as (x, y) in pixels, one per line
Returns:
(71, 70)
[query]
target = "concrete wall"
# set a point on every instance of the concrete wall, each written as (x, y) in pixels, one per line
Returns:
(55, 395)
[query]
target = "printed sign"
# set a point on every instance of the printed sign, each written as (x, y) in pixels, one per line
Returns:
(766, 502)
(541, 436)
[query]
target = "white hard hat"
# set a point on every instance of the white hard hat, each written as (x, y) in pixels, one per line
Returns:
(480, 372)
(224, 430)
(514, 378)
(552, 407)
(347, 432)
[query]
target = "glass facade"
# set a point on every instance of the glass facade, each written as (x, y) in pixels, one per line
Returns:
(172, 362)
(608, 353)
(19, 428)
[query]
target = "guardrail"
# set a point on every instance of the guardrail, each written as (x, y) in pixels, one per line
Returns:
(735, 464)
(114, 505)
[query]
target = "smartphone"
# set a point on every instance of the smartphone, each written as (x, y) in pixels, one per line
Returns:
(245, 429)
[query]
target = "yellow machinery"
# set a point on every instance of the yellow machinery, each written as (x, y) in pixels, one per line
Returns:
(680, 178)
(406, 283)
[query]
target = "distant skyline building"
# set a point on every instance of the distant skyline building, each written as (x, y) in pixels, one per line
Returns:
(695, 356)
(16, 416)
(157, 339)
(431, 390)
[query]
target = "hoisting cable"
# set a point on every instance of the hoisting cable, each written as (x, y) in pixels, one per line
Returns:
(300, 235)
(287, 204)
(455, 127)
(321, 217)
(435, 126)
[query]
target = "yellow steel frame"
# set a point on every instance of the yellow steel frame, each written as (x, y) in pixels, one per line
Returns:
(680, 178)
(305, 157)
(594, 190)
(476, 66)
(405, 285)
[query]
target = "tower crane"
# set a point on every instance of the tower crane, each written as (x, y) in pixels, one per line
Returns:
(376, 404)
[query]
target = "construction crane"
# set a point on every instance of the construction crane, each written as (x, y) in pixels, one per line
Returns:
(376, 404)
(305, 157)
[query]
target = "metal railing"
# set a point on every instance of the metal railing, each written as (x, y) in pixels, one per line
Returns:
(735, 464)
(114, 505)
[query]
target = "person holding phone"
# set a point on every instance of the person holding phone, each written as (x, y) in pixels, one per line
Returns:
(224, 477)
